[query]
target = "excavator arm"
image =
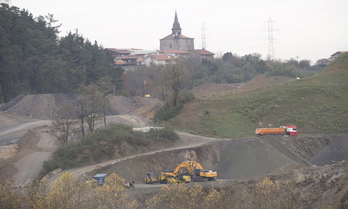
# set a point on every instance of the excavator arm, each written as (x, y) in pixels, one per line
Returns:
(192, 169)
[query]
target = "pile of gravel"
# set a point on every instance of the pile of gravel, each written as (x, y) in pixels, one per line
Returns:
(39, 106)
(46, 106)
(336, 151)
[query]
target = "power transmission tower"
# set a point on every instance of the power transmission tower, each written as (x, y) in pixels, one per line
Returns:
(203, 36)
(271, 53)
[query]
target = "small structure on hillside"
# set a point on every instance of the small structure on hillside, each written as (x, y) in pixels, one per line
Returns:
(100, 178)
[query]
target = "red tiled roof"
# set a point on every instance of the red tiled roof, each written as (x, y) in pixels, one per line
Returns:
(175, 51)
(182, 36)
(163, 57)
(120, 62)
(203, 52)
(171, 35)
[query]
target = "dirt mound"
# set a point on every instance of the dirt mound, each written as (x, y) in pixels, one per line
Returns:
(45, 106)
(126, 105)
(279, 79)
(210, 90)
(258, 81)
(254, 157)
(40, 106)
(316, 186)
(336, 151)
(306, 146)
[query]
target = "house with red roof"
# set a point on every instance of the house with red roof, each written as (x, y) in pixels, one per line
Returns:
(159, 59)
(203, 54)
(336, 55)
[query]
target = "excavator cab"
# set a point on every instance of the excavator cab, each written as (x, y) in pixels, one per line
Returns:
(149, 178)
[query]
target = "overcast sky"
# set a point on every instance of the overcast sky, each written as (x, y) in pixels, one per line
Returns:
(302, 29)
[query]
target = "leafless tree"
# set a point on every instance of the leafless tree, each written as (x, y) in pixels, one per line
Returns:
(92, 104)
(62, 123)
(176, 77)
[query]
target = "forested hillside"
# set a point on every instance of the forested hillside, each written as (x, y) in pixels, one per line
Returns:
(34, 59)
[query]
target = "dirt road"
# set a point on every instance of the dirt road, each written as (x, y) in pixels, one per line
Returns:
(37, 145)
(13, 127)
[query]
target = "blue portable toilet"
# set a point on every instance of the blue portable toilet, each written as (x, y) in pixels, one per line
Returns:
(100, 178)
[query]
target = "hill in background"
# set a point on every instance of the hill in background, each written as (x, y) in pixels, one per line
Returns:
(317, 105)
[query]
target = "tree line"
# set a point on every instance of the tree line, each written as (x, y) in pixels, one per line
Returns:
(34, 59)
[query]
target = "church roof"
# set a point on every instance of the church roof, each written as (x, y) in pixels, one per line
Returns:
(170, 36)
(176, 24)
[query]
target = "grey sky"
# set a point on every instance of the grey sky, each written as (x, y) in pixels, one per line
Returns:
(302, 29)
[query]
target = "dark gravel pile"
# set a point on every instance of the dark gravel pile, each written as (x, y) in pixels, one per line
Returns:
(38, 106)
(336, 151)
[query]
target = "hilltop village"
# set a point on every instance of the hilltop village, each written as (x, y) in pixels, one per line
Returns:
(173, 46)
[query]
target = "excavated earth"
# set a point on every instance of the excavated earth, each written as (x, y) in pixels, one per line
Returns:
(313, 167)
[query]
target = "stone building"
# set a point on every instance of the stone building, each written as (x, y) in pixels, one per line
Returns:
(176, 41)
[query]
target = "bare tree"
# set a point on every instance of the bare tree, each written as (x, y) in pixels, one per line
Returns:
(176, 77)
(91, 106)
(80, 112)
(62, 123)
(161, 84)
(135, 81)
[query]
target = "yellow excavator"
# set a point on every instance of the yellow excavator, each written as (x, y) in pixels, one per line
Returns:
(149, 178)
(186, 172)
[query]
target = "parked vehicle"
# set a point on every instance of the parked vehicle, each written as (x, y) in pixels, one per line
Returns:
(283, 130)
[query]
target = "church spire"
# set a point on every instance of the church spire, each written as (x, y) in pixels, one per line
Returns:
(176, 30)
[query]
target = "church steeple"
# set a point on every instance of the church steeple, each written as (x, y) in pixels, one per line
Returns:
(176, 30)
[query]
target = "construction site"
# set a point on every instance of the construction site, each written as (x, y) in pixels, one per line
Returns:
(313, 166)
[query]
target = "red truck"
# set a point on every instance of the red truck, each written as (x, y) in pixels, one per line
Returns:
(283, 130)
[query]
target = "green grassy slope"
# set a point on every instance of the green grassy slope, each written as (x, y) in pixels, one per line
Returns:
(317, 104)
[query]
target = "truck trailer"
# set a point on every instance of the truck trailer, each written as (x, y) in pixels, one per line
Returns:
(283, 130)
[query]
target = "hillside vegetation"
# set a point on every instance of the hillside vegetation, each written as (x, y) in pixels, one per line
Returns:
(317, 105)
(113, 141)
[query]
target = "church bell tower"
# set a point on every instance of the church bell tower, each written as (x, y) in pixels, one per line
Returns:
(176, 30)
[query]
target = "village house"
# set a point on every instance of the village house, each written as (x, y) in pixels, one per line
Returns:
(336, 55)
(174, 46)
(326, 61)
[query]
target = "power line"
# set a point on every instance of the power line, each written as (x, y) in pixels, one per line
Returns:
(203, 37)
(271, 52)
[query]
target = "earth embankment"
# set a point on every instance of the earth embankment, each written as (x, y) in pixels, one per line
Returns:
(231, 158)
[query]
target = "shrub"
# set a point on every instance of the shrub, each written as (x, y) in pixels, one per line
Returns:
(101, 145)
(166, 113)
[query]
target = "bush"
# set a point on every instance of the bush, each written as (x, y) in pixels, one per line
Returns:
(163, 135)
(101, 145)
(166, 113)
